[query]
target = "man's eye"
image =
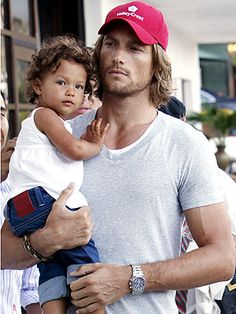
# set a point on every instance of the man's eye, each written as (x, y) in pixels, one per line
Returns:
(135, 49)
(109, 43)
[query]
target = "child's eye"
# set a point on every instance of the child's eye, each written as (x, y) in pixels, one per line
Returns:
(61, 82)
(79, 86)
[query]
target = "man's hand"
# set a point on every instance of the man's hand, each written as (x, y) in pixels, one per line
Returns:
(5, 157)
(101, 284)
(64, 229)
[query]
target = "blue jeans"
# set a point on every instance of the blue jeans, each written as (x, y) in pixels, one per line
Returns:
(28, 212)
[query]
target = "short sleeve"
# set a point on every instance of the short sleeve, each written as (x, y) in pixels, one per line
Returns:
(200, 175)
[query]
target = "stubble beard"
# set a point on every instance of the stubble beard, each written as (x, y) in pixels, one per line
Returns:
(121, 91)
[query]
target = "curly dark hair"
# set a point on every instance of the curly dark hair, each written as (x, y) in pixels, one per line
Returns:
(161, 84)
(53, 50)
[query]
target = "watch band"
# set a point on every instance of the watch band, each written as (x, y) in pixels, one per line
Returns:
(137, 270)
(137, 281)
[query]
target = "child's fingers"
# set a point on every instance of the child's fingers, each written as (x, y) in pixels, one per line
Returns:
(104, 131)
(97, 125)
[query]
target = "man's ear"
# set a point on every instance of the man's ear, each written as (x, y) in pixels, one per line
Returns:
(37, 86)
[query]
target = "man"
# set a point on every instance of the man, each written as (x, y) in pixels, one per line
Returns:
(18, 288)
(148, 177)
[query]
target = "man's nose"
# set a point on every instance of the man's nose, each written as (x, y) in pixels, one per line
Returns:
(118, 56)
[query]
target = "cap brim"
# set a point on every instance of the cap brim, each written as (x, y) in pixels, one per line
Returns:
(141, 33)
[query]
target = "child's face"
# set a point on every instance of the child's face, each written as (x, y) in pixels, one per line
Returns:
(63, 90)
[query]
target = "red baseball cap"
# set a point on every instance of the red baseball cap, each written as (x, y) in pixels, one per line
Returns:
(147, 22)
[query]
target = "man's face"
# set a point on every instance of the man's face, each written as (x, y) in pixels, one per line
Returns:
(125, 63)
(4, 123)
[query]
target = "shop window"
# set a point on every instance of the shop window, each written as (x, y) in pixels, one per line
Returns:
(20, 72)
(21, 17)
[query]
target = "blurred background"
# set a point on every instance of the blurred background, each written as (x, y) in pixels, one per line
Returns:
(202, 49)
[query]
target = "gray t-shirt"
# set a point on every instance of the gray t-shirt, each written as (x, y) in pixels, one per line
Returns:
(138, 195)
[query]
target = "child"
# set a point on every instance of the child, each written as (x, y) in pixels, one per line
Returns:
(47, 157)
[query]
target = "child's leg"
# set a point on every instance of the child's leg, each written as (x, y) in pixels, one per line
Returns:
(55, 307)
(74, 258)
(28, 211)
(52, 282)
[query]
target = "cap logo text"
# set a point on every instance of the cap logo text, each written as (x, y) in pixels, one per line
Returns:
(132, 9)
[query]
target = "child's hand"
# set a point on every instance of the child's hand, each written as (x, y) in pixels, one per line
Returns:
(95, 132)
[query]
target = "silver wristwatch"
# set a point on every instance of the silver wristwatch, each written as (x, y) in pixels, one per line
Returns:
(137, 281)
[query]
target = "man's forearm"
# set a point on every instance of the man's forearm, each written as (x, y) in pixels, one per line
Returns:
(110, 282)
(197, 268)
(55, 235)
(14, 256)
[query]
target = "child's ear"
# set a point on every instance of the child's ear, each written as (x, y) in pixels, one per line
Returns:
(37, 86)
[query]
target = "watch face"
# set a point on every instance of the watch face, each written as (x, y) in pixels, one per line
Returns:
(138, 284)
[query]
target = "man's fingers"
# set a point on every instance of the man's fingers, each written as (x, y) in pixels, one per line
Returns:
(65, 194)
(82, 271)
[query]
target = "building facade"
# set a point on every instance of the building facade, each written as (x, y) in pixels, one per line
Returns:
(25, 23)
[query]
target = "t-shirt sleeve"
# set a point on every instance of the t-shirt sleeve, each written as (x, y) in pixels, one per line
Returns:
(199, 184)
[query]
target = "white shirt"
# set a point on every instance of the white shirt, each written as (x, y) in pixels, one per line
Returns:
(37, 162)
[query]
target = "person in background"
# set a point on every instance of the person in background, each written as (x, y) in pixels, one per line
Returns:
(143, 183)
(174, 108)
(18, 287)
(47, 157)
(218, 297)
(89, 103)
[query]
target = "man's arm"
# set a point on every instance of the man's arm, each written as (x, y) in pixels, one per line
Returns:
(64, 229)
(213, 261)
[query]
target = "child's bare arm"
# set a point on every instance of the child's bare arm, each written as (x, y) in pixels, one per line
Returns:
(88, 146)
